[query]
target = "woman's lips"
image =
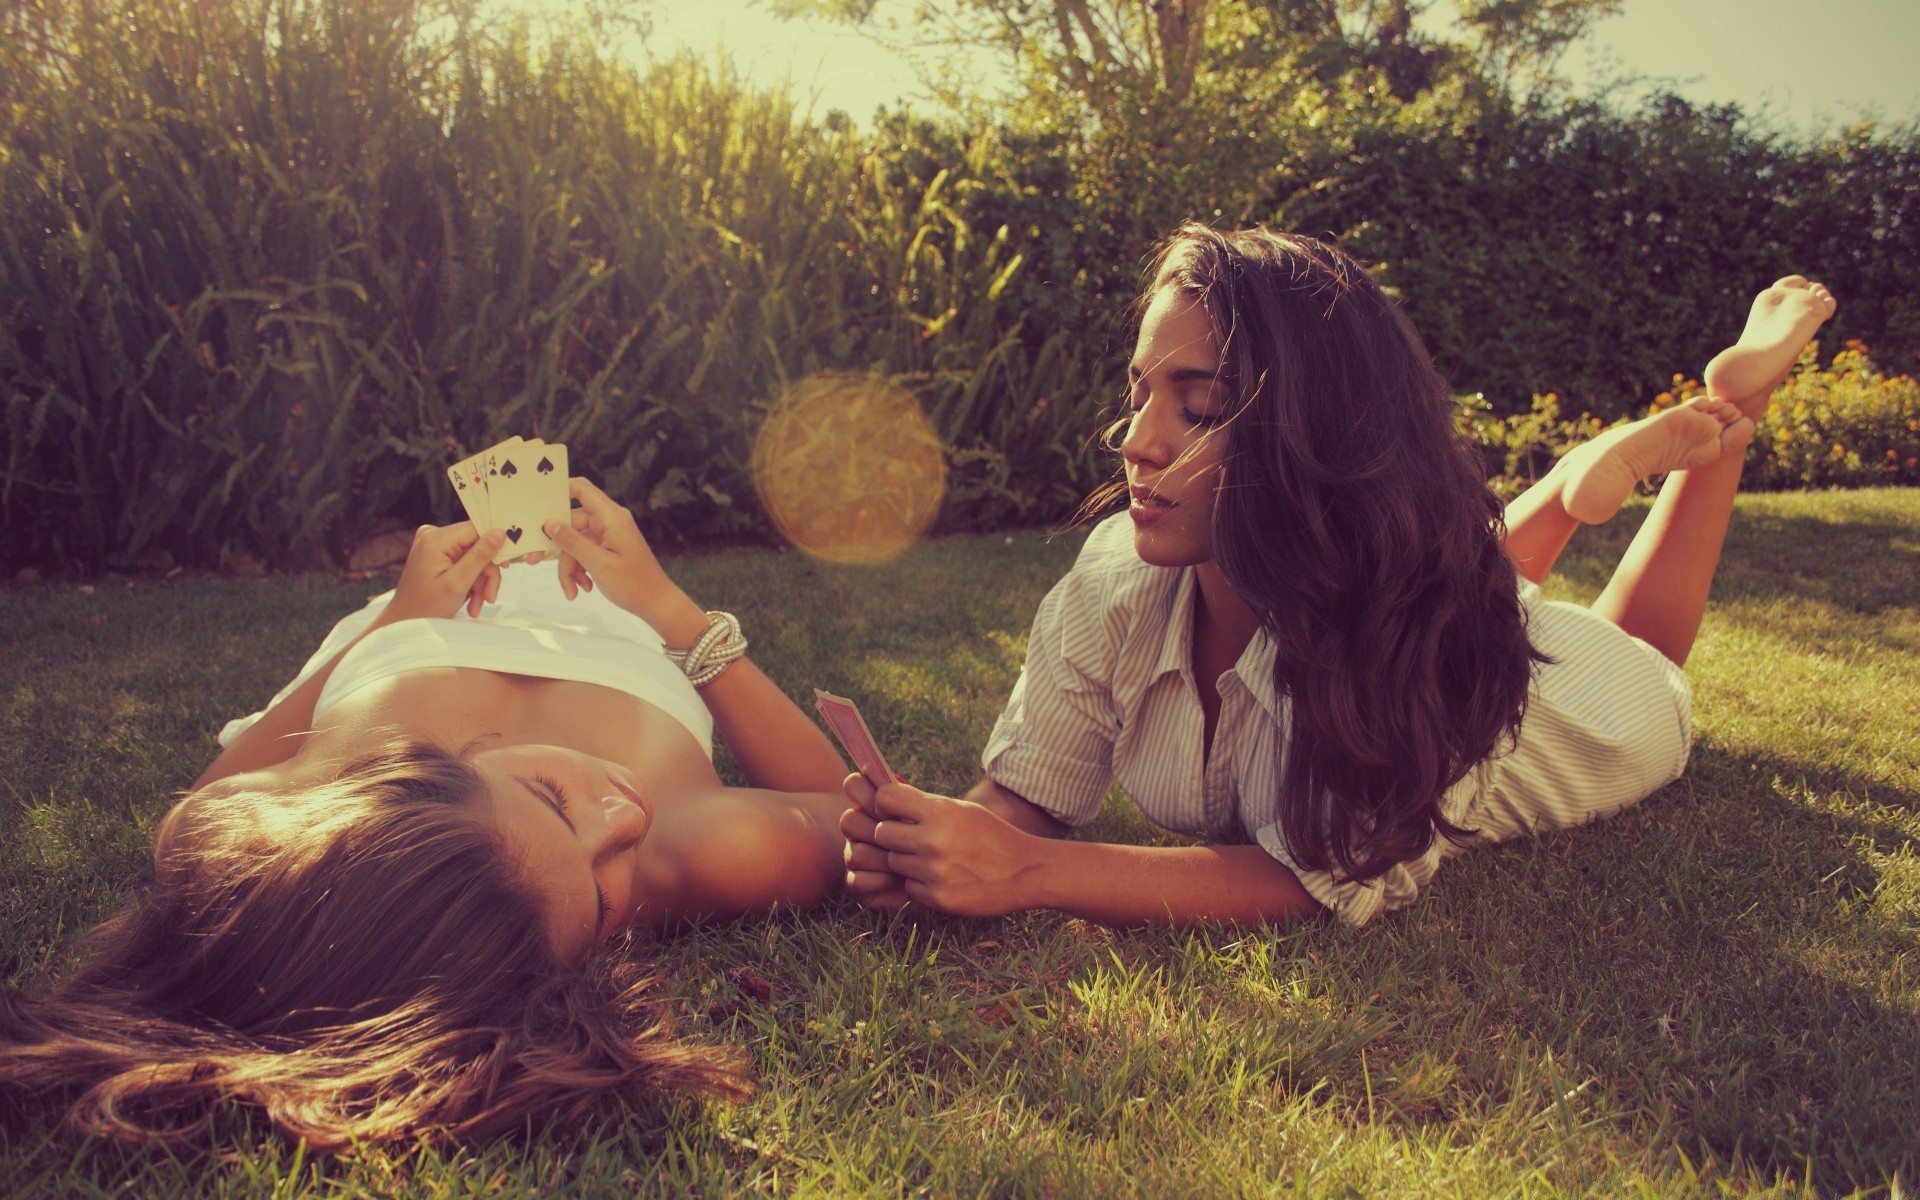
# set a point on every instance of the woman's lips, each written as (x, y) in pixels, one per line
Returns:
(1146, 508)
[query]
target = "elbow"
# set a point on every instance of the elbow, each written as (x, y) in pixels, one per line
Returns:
(763, 856)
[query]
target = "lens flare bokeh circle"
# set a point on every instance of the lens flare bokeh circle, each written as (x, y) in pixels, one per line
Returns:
(848, 468)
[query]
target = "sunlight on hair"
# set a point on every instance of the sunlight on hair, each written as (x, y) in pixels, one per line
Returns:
(849, 468)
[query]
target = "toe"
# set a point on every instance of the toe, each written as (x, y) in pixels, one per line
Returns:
(1791, 281)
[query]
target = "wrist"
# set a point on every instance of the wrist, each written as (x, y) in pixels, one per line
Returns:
(391, 614)
(719, 646)
(1039, 877)
(676, 618)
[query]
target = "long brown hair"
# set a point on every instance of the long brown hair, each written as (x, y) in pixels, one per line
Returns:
(364, 961)
(1357, 525)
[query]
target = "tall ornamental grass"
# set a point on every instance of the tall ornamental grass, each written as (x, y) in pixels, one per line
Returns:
(268, 266)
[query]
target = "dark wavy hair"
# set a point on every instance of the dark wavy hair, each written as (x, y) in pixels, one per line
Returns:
(1357, 525)
(365, 961)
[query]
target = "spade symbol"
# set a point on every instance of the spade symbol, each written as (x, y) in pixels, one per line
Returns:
(513, 533)
(545, 467)
(509, 470)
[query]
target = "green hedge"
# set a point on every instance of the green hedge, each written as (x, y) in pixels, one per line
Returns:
(1585, 251)
(266, 266)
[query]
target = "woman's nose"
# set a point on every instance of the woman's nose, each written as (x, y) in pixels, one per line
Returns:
(623, 823)
(1145, 443)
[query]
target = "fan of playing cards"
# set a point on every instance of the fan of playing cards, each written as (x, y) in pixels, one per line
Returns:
(843, 717)
(518, 486)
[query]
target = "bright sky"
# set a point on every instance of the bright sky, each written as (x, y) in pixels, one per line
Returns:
(1795, 62)
(827, 62)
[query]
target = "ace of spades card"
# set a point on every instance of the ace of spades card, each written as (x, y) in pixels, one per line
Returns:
(526, 485)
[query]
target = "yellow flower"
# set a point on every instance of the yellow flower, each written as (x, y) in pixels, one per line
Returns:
(1839, 451)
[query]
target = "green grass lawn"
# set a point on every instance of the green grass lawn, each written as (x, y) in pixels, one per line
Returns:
(1716, 992)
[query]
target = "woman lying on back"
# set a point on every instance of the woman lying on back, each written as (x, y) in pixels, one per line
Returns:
(380, 911)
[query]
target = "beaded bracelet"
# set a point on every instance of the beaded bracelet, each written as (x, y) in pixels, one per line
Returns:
(713, 651)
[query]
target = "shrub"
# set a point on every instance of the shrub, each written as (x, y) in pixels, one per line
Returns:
(1578, 248)
(1849, 425)
(1520, 448)
(266, 266)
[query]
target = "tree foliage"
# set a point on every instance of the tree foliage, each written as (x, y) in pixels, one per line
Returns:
(1541, 241)
(266, 266)
(1114, 57)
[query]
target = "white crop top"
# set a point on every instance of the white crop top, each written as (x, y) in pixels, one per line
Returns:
(531, 630)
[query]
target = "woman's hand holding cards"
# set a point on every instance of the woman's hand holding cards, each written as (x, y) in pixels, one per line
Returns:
(869, 880)
(603, 547)
(447, 566)
(953, 855)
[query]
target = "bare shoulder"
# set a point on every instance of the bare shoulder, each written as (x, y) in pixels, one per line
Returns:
(185, 827)
(190, 821)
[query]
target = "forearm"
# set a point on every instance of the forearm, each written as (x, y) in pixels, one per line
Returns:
(280, 732)
(776, 744)
(1181, 885)
(993, 853)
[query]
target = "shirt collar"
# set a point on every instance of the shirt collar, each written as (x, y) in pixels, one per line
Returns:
(1255, 666)
(1176, 648)
(1255, 670)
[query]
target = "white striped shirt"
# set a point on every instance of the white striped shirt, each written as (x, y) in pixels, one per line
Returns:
(1107, 695)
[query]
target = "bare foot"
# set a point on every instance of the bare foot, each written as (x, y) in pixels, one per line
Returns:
(1783, 320)
(1601, 474)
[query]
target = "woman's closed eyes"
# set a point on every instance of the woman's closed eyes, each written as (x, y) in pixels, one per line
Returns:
(557, 796)
(1195, 381)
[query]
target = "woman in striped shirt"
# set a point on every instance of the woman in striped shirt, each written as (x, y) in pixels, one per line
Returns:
(1313, 640)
